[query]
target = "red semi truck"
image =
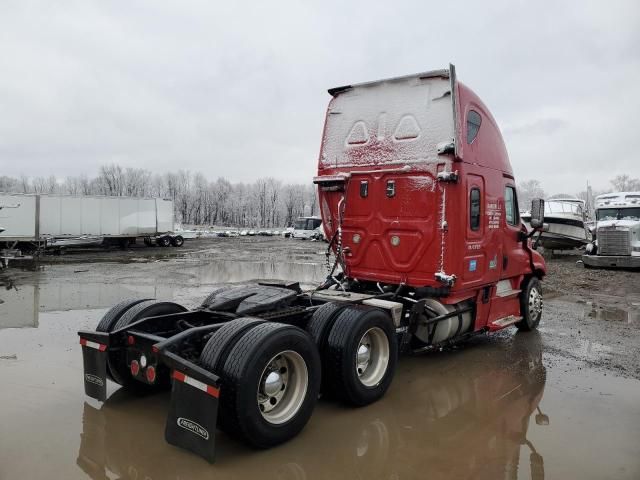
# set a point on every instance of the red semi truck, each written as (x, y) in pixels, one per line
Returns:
(419, 203)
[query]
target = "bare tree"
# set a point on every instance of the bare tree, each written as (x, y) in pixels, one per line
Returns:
(45, 184)
(527, 191)
(624, 183)
(111, 180)
(263, 203)
(9, 184)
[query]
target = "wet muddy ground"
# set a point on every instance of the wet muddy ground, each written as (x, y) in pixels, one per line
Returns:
(561, 403)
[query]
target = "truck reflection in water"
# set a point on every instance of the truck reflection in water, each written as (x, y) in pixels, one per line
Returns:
(457, 414)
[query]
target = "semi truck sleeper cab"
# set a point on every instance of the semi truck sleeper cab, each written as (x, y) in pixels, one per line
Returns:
(419, 204)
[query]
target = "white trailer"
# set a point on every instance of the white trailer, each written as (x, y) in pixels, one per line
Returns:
(41, 220)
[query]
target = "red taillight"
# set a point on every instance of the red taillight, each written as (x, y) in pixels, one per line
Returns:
(151, 374)
(131, 340)
(154, 349)
(135, 368)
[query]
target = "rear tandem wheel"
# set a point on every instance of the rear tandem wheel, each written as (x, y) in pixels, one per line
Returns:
(117, 360)
(319, 327)
(270, 384)
(361, 357)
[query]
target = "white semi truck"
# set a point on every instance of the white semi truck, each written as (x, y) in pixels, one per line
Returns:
(616, 234)
(38, 221)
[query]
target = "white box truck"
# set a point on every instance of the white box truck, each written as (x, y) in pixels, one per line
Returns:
(35, 221)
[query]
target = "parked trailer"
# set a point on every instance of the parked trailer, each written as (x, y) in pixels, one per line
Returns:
(39, 220)
(418, 199)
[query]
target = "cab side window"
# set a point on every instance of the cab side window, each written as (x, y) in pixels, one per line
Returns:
(511, 206)
(474, 209)
(473, 125)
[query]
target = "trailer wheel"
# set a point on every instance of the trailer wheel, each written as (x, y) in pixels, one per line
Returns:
(362, 353)
(113, 315)
(163, 241)
(271, 380)
(117, 360)
(530, 305)
(217, 349)
(319, 327)
(177, 241)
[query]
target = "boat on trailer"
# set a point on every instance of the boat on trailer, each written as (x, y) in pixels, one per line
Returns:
(567, 224)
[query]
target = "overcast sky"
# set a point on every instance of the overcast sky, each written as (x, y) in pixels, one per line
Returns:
(238, 89)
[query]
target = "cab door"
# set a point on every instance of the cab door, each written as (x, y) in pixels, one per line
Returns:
(515, 259)
(481, 245)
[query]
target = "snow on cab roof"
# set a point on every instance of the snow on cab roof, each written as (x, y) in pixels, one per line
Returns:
(618, 199)
(444, 73)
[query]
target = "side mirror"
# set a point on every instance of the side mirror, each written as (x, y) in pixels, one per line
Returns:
(537, 213)
(542, 419)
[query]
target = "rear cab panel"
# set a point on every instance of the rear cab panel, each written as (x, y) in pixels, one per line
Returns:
(385, 136)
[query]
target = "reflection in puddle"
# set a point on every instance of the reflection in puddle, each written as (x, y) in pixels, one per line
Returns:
(625, 312)
(232, 271)
(615, 314)
(20, 305)
(451, 415)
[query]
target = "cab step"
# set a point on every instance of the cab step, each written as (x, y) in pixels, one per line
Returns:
(504, 322)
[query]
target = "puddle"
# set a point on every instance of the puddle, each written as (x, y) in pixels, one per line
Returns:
(21, 304)
(500, 406)
(612, 314)
(233, 271)
(609, 309)
(492, 409)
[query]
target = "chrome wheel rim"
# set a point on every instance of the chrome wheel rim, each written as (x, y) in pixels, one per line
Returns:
(372, 357)
(282, 387)
(535, 303)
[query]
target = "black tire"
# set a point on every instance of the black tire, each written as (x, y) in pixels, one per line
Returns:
(113, 315)
(148, 308)
(177, 241)
(240, 416)
(342, 352)
(530, 305)
(222, 341)
(118, 360)
(211, 297)
(319, 327)
(108, 321)
(163, 241)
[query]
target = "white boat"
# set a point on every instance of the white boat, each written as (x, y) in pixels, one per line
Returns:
(566, 218)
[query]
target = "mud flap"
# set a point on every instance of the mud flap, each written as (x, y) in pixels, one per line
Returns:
(193, 413)
(94, 358)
